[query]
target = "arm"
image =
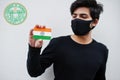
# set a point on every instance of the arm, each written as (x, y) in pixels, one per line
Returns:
(36, 63)
(33, 62)
(100, 75)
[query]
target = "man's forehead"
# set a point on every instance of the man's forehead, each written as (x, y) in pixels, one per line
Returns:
(82, 10)
(81, 13)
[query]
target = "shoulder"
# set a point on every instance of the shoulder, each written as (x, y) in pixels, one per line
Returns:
(101, 45)
(102, 48)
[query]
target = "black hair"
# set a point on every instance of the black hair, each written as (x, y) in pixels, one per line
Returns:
(95, 8)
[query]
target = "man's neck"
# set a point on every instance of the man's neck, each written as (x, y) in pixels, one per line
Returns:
(86, 39)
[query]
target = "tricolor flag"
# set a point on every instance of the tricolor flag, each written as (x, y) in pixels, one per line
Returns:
(42, 33)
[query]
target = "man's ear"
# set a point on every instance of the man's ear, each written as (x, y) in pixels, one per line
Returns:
(95, 22)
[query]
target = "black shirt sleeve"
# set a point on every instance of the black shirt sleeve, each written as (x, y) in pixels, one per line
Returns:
(100, 75)
(36, 63)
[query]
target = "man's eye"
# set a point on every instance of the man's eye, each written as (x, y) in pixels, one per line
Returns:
(83, 16)
(74, 16)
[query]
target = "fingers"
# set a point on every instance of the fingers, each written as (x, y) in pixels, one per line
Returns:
(43, 26)
(39, 43)
(40, 26)
(31, 35)
(37, 26)
(32, 41)
(31, 32)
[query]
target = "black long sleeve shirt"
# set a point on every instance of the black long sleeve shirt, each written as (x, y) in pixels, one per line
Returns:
(71, 60)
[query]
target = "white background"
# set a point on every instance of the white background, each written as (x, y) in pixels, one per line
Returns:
(54, 14)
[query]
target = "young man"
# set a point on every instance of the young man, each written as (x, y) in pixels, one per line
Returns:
(74, 57)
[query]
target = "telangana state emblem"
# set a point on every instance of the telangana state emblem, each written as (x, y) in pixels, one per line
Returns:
(15, 13)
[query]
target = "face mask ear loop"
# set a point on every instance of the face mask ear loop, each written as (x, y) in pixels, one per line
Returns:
(91, 27)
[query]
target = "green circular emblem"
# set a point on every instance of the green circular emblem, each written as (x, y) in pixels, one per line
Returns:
(15, 13)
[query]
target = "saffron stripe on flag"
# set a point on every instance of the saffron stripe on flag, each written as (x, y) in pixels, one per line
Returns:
(42, 29)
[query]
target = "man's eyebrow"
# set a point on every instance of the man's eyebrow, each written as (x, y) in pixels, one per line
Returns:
(74, 13)
(80, 14)
(83, 14)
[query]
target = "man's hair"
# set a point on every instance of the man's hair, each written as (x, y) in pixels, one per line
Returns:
(95, 8)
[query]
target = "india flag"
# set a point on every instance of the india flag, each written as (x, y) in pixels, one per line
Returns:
(42, 33)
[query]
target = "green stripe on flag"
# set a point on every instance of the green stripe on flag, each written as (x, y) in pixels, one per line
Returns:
(42, 37)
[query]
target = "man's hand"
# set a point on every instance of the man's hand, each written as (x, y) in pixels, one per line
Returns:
(32, 41)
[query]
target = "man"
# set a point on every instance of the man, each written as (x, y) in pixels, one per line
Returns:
(74, 57)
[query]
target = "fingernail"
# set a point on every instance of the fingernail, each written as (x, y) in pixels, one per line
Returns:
(37, 26)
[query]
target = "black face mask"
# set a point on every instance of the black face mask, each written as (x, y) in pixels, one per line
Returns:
(81, 27)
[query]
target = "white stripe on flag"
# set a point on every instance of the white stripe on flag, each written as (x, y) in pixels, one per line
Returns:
(42, 33)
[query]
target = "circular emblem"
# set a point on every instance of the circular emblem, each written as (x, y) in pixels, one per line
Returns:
(15, 13)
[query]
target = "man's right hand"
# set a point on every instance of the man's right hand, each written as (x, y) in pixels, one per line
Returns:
(33, 42)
